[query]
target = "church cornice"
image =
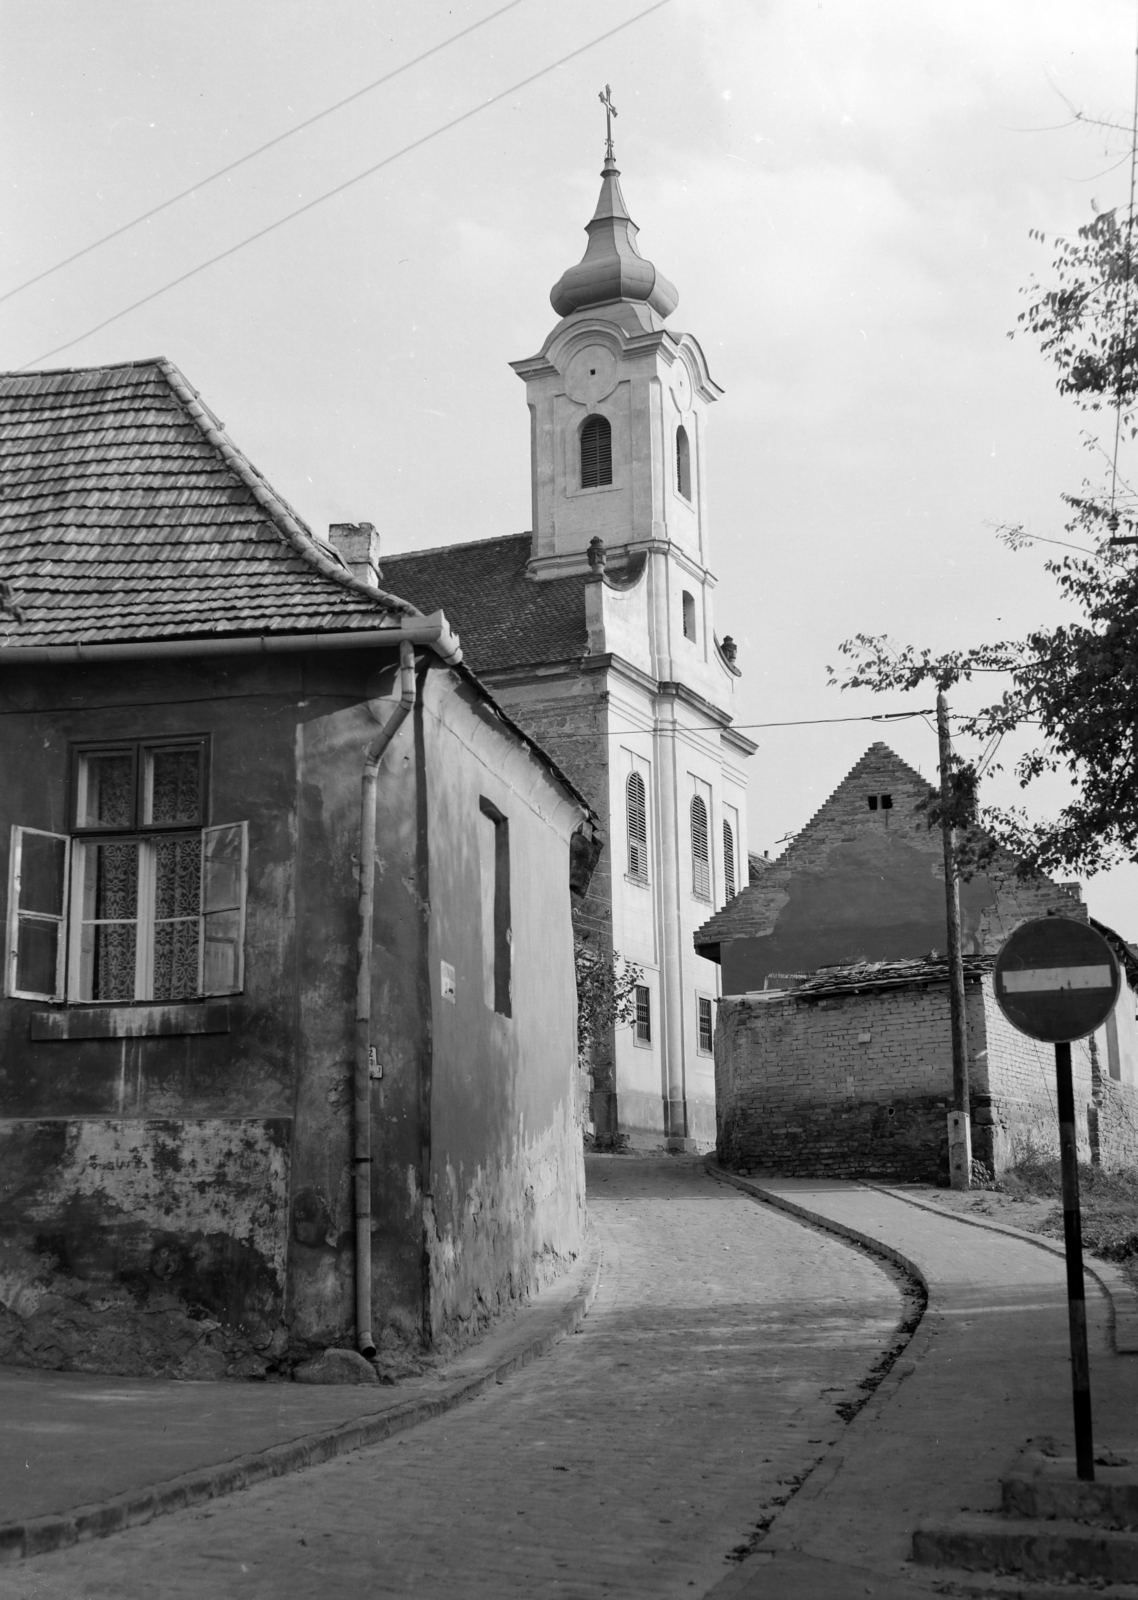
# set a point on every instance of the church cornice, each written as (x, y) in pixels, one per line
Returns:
(618, 558)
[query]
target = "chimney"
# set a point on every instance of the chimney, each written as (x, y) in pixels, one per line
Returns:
(358, 543)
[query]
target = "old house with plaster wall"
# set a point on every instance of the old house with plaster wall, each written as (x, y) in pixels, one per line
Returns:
(596, 631)
(287, 1033)
(833, 1047)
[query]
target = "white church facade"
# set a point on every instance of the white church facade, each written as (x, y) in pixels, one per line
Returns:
(595, 632)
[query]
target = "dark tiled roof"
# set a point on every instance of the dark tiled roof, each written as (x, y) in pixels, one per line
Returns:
(503, 618)
(127, 514)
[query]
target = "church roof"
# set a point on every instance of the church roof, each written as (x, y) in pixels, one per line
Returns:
(504, 617)
(126, 513)
(612, 268)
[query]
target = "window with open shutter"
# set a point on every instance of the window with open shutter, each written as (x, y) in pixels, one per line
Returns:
(637, 828)
(37, 914)
(700, 856)
(596, 453)
(728, 859)
(224, 874)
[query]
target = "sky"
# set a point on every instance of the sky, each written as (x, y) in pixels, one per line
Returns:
(845, 195)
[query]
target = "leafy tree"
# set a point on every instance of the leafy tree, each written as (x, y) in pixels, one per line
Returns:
(606, 997)
(1076, 684)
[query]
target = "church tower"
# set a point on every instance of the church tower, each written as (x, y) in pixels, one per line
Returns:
(618, 425)
(595, 632)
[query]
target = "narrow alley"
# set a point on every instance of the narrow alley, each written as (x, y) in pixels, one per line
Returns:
(632, 1460)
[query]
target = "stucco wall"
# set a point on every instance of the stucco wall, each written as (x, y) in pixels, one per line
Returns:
(506, 1205)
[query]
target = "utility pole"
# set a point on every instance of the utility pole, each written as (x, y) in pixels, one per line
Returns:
(960, 1117)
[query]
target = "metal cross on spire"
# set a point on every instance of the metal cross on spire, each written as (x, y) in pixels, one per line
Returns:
(610, 113)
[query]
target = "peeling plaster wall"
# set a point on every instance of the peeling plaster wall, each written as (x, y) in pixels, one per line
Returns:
(506, 1205)
(142, 1246)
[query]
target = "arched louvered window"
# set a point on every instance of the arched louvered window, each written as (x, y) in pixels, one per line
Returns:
(700, 856)
(683, 462)
(596, 453)
(728, 860)
(689, 615)
(637, 827)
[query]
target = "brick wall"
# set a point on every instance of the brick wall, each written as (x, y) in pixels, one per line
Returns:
(801, 1090)
(1116, 1119)
(1020, 1079)
(858, 1085)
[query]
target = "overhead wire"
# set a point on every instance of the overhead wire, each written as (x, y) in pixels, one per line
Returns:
(251, 155)
(348, 183)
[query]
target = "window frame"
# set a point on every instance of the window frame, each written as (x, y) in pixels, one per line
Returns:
(688, 616)
(637, 841)
(502, 951)
(698, 861)
(683, 464)
(602, 427)
(222, 898)
(14, 917)
(138, 750)
(729, 885)
(704, 1008)
(642, 1018)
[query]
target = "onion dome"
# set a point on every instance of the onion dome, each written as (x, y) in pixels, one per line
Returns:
(612, 268)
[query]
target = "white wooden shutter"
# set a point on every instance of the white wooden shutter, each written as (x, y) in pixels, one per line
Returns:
(225, 873)
(728, 859)
(637, 827)
(700, 859)
(37, 914)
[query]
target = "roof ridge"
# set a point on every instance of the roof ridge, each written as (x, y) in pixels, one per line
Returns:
(63, 372)
(295, 533)
(466, 544)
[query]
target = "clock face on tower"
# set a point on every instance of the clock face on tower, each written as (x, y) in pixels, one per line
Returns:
(681, 386)
(590, 374)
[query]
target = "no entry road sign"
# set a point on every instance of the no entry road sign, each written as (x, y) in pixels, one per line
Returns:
(1056, 979)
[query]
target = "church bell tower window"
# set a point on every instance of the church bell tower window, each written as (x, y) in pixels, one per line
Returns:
(596, 453)
(683, 462)
(689, 615)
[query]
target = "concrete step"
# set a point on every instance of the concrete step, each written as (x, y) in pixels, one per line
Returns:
(1043, 1484)
(987, 1542)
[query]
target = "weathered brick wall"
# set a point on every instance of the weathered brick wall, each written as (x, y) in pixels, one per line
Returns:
(1117, 1129)
(859, 1086)
(1020, 1081)
(800, 1088)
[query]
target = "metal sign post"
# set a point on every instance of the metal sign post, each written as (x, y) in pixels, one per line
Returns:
(1057, 980)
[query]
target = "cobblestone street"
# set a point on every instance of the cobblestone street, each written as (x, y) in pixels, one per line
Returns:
(630, 1461)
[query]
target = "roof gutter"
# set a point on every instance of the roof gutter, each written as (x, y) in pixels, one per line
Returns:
(433, 632)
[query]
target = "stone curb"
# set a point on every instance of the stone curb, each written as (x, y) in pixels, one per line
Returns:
(40, 1535)
(826, 1470)
(1119, 1291)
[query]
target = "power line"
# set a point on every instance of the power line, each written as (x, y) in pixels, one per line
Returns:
(347, 184)
(222, 172)
(804, 722)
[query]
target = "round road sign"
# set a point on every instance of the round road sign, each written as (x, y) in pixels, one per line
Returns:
(1056, 979)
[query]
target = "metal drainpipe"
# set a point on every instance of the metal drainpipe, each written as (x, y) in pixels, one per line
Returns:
(362, 1129)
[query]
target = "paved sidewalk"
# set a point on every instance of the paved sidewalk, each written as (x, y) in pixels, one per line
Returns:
(81, 1455)
(631, 1461)
(988, 1369)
